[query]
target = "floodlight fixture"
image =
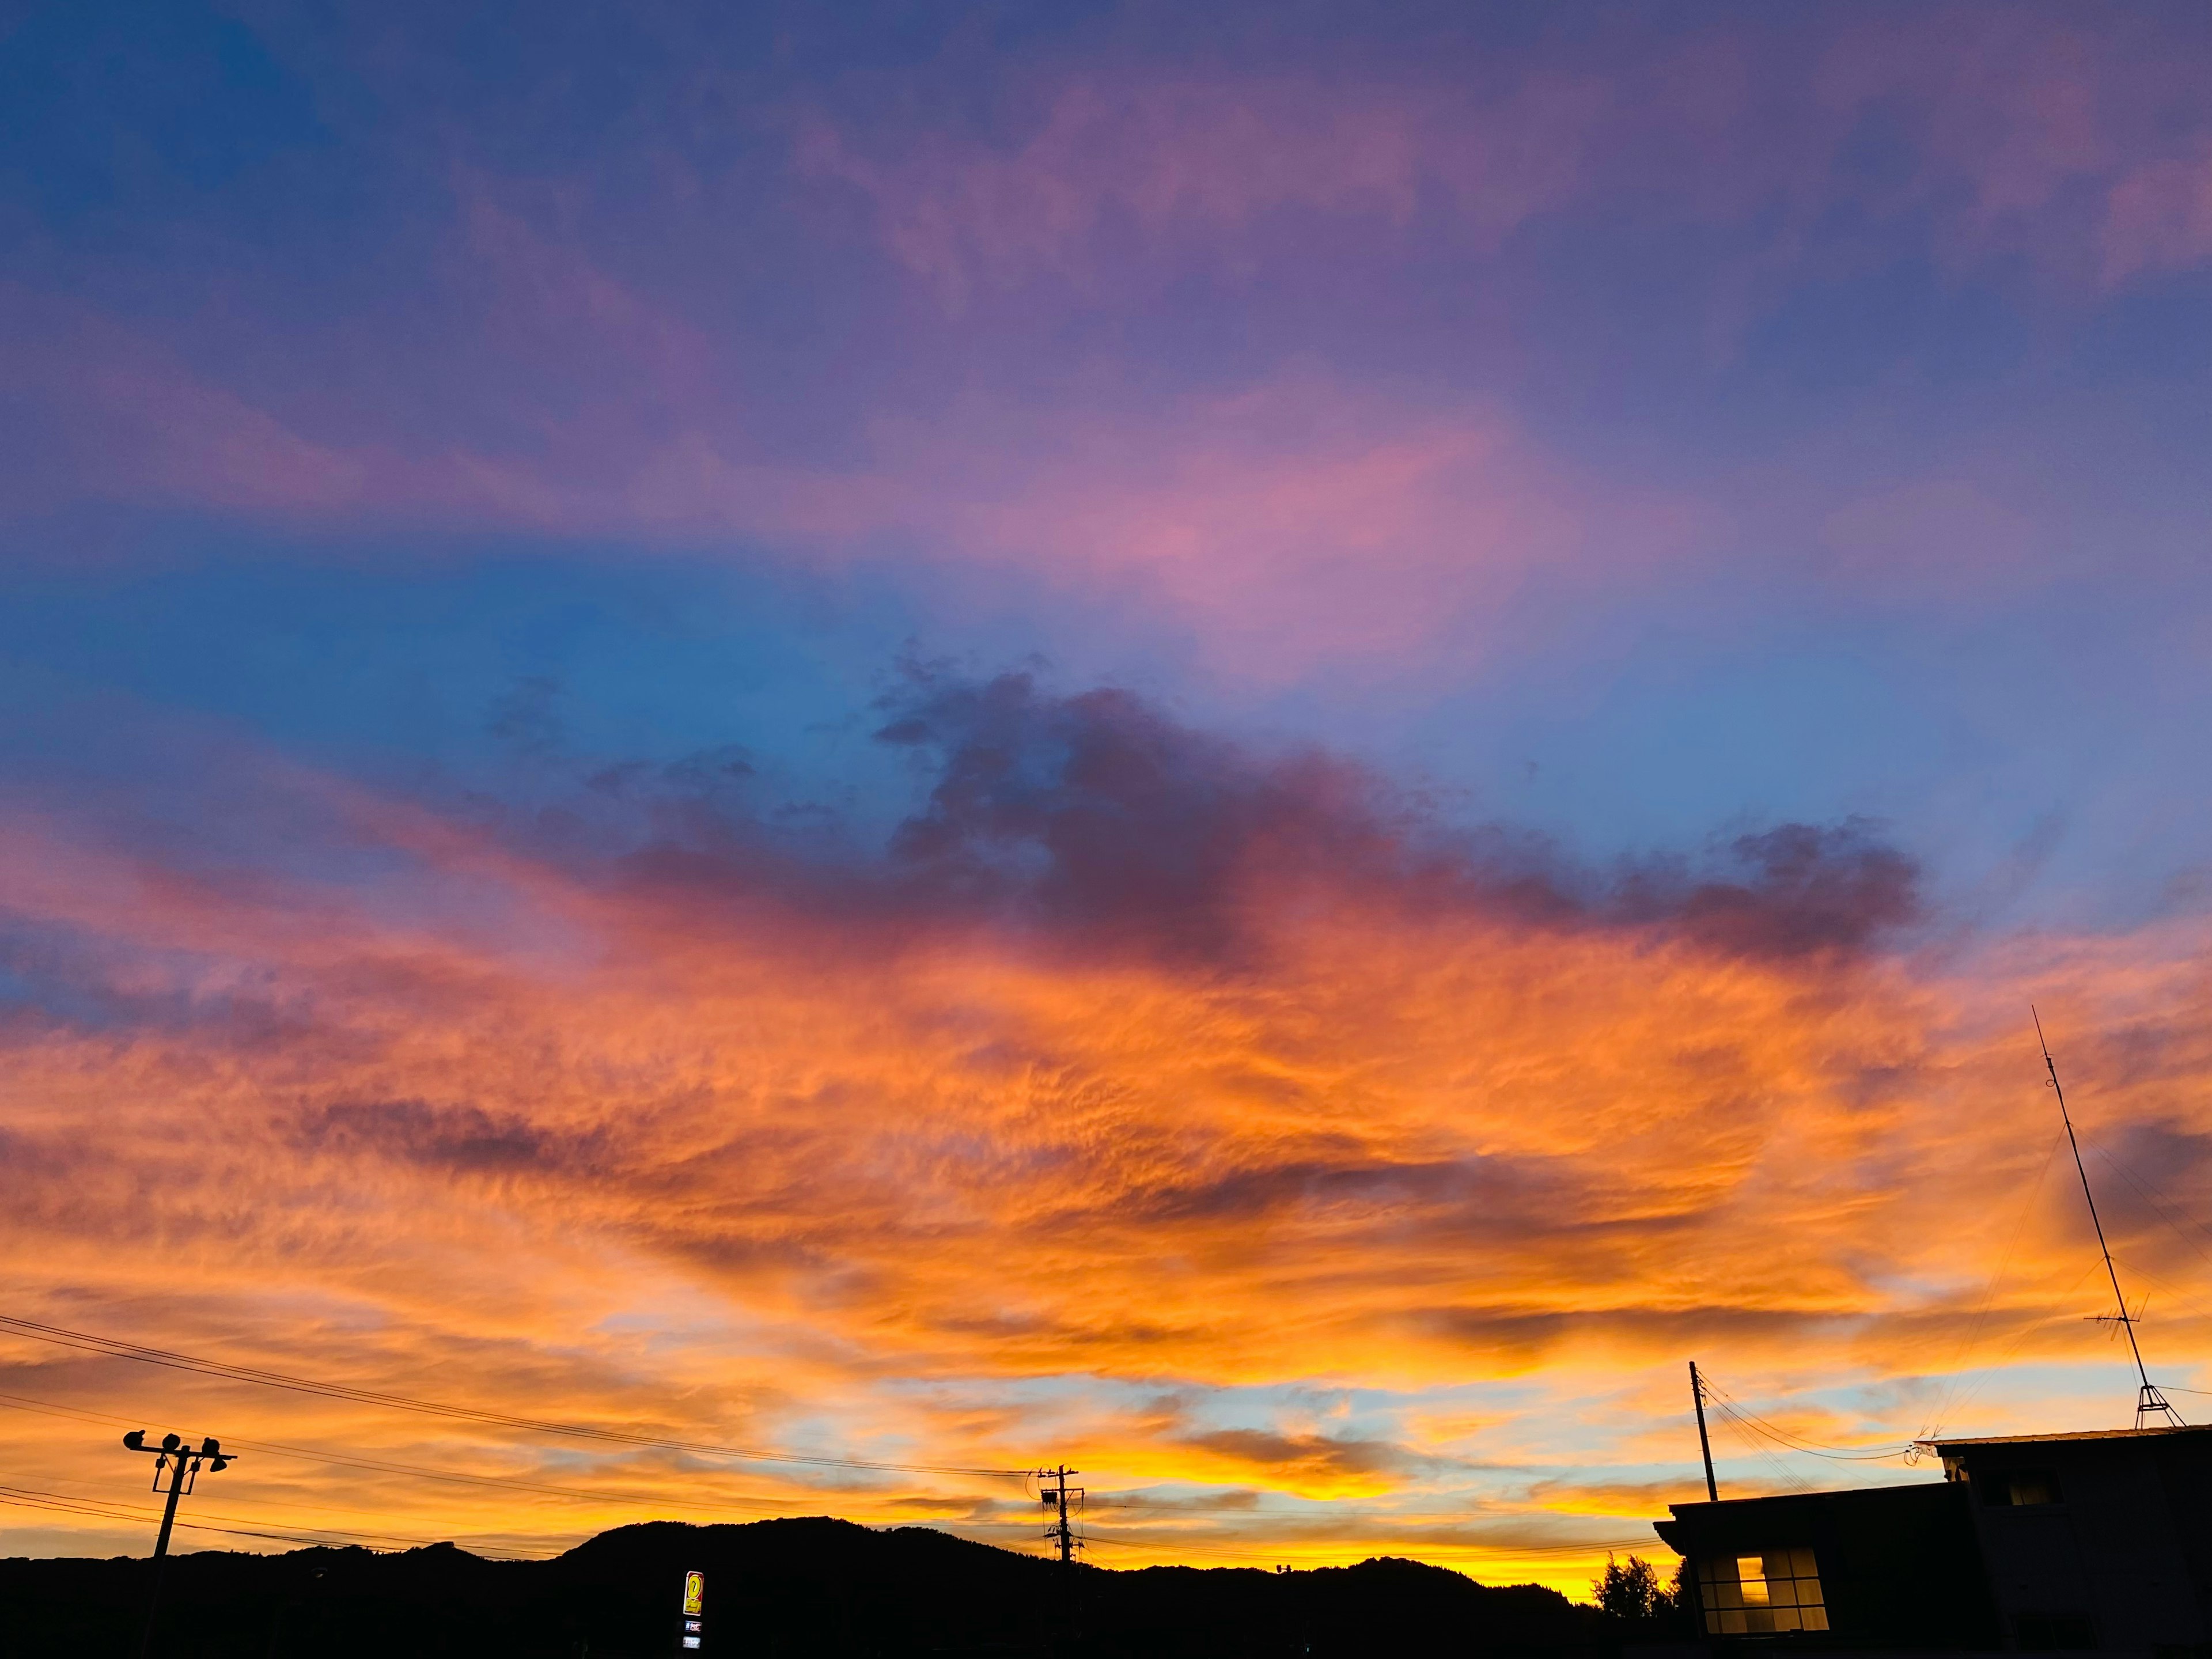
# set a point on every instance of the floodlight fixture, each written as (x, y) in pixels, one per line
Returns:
(182, 1464)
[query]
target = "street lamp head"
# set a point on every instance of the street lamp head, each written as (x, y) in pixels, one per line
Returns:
(135, 1440)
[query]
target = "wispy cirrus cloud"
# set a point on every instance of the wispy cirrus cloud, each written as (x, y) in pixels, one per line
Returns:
(1264, 490)
(1168, 156)
(1975, 136)
(1294, 522)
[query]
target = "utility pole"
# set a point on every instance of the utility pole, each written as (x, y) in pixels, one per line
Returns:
(1705, 1446)
(1056, 1499)
(2149, 1402)
(182, 1464)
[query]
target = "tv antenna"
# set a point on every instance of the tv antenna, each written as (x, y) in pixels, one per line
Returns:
(2149, 1402)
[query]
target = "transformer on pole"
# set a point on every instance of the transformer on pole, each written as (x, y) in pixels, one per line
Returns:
(1058, 1526)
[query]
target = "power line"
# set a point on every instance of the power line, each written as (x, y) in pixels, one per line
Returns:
(26, 1497)
(141, 1354)
(1788, 1476)
(1759, 1426)
(248, 1527)
(1933, 1424)
(114, 1348)
(102, 1510)
(1250, 1512)
(1983, 1374)
(1747, 1418)
(1160, 1511)
(2183, 1293)
(2150, 1198)
(1168, 1509)
(341, 1460)
(1511, 1553)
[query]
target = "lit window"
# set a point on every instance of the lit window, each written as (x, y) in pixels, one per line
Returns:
(1751, 1576)
(1758, 1594)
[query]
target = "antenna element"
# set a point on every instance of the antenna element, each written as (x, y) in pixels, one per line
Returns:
(2149, 1402)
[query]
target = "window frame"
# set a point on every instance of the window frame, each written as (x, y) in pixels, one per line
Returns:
(1791, 1601)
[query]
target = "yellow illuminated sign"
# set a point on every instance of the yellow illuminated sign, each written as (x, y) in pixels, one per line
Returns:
(694, 1592)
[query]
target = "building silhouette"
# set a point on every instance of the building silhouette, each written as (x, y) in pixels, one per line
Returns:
(2031, 1543)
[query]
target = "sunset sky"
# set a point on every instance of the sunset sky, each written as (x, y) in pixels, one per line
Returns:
(1266, 747)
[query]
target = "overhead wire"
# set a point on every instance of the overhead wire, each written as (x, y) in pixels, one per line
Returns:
(2173, 1222)
(24, 1498)
(342, 1460)
(113, 1347)
(1952, 1407)
(1983, 1374)
(116, 1348)
(2184, 1232)
(1532, 1552)
(1159, 1511)
(1167, 1512)
(2183, 1293)
(1734, 1409)
(1933, 1424)
(1169, 1509)
(1788, 1477)
(31, 1497)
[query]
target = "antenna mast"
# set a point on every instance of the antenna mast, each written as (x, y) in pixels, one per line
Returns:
(2149, 1402)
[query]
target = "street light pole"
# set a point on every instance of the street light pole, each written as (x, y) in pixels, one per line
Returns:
(182, 1463)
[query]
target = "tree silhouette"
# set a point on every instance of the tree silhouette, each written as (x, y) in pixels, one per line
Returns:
(1631, 1590)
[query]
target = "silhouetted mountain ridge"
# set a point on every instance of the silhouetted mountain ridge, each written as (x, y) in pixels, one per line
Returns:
(809, 1586)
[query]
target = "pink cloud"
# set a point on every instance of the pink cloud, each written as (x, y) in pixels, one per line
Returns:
(1219, 153)
(1295, 522)
(121, 408)
(2157, 217)
(2007, 114)
(1292, 519)
(126, 418)
(2025, 125)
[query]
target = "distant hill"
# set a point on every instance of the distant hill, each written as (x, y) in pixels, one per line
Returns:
(775, 1589)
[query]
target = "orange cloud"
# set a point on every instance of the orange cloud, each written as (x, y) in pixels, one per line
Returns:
(1204, 1119)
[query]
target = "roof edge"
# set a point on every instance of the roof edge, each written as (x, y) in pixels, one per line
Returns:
(1933, 1443)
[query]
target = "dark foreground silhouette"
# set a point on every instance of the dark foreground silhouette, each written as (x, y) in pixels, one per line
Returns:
(774, 1589)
